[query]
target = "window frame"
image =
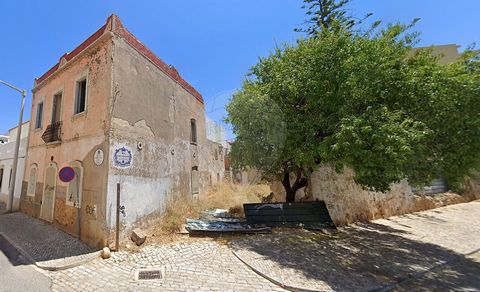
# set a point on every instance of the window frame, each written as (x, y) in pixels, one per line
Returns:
(82, 78)
(61, 93)
(193, 132)
(39, 122)
(10, 178)
(2, 171)
(195, 191)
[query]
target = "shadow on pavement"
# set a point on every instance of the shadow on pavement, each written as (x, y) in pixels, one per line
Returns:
(40, 240)
(367, 256)
(13, 255)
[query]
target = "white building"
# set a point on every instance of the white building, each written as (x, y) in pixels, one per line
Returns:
(7, 150)
(216, 132)
(216, 136)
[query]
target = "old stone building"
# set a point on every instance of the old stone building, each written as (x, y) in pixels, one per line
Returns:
(116, 114)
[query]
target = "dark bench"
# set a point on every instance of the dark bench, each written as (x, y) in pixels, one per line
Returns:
(308, 214)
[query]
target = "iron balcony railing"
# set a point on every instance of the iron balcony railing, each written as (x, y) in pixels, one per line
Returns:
(52, 133)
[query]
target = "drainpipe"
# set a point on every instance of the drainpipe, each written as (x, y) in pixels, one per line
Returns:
(79, 229)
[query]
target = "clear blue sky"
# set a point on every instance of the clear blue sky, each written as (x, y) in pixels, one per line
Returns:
(212, 43)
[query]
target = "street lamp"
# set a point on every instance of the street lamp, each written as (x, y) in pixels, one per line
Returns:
(11, 188)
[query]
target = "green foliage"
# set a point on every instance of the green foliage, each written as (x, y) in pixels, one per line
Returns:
(328, 15)
(363, 101)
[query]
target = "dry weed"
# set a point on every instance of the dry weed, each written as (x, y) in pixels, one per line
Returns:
(228, 196)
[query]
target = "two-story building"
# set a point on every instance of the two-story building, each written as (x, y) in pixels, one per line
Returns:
(117, 114)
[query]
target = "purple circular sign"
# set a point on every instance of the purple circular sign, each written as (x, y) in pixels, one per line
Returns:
(66, 174)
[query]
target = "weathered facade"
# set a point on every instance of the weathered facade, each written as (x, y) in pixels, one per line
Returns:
(348, 202)
(7, 152)
(116, 114)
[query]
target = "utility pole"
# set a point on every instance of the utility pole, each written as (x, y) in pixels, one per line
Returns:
(11, 189)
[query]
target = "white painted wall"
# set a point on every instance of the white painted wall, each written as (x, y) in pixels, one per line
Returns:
(6, 162)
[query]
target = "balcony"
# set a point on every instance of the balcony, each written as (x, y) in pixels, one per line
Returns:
(52, 133)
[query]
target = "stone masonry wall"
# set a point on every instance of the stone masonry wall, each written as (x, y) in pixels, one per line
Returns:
(348, 202)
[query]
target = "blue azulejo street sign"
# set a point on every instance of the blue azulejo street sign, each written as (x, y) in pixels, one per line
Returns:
(122, 157)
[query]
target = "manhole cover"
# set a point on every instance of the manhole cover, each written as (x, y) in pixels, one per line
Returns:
(149, 275)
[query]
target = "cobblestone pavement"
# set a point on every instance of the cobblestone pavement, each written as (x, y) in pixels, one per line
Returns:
(436, 249)
(40, 240)
(372, 255)
(462, 275)
(201, 266)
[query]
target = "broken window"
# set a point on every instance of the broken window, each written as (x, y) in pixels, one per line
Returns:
(32, 181)
(81, 96)
(195, 180)
(39, 116)
(74, 192)
(193, 131)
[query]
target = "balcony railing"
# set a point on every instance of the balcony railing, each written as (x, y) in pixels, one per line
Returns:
(52, 133)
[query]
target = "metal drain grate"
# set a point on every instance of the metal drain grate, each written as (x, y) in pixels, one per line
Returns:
(150, 275)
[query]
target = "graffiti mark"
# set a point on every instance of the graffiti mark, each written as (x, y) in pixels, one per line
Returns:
(90, 210)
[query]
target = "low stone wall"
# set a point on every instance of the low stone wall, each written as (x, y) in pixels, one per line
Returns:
(348, 202)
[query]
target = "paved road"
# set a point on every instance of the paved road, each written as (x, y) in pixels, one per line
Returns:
(376, 255)
(463, 275)
(16, 274)
(433, 250)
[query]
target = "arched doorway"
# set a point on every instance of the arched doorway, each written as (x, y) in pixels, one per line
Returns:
(49, 187)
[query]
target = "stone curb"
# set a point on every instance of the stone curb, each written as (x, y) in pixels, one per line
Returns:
(54, 267)
(276, 282)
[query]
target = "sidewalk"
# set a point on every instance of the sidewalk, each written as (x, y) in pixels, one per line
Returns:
(373, 256)
(42, 244)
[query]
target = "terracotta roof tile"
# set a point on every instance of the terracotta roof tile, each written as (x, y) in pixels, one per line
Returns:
(114, 24)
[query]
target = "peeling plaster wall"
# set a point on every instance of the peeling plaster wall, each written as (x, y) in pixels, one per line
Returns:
(216, 162)
(81, 135)
(348, 202)
(150, 108)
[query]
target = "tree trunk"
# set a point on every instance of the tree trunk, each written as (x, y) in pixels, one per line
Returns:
(290, 190)
(290, 198)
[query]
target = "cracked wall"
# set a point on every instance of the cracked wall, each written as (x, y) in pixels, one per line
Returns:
(151, 116)
(348, 202)
(81, 135)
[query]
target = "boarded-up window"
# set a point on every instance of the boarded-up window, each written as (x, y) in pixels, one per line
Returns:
(32, 181)
(74, 192)
(193, 131)
(195, 180)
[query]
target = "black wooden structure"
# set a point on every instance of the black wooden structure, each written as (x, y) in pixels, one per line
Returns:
(307, 214)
